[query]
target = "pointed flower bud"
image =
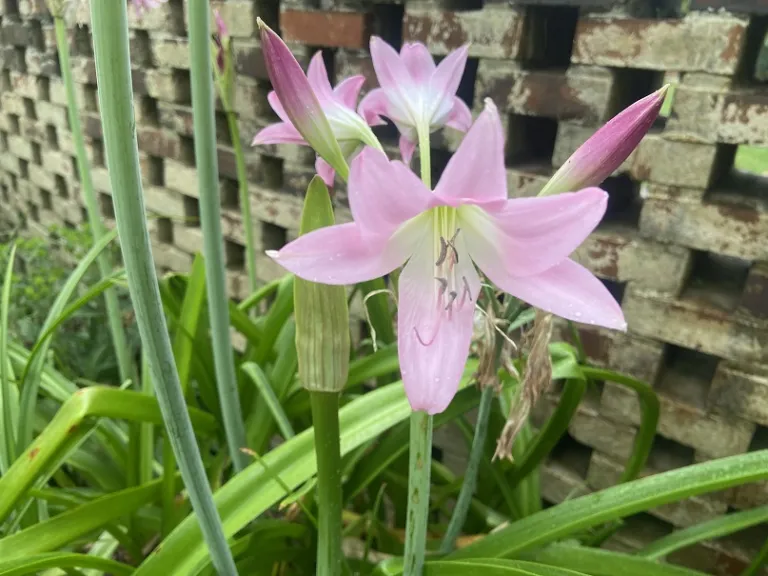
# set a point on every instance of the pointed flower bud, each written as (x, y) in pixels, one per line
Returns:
(221, 40)
(322, 316)
(299, 101)
(605, 151)
(223, 63)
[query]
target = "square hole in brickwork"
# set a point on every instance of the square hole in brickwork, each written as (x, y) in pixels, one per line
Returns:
(759, 439)
(43, 85)
(29, 109)
(716, 280)
(466, 90)
(191, 210)
(35, 34)
(6, 85)
(667, 455)
(646, 528)
(23, 169)
(165, 230)
(83, 214)
(461, 5)
(75, 170)
(10, 7)
(749, 171)
(51, 137)
(62, 190)
(187, 150)
(572, 455)
(753, 66)
(182, 85)
(686, 375)
(615, 287)
(230, 194)
(37, 153)
(156, 171)
(14, 124)
(99, 157)
(45, 199)
(234, 254)
(4, 191)
(223, 135)
(33, 211)
(19, 59)
(148, 111)
(141, 49)
(3, 141)
(175, 23)
(81, 42)
(273, 237)
(388, 23)
(624, 201)
(272, 172)
(549, 34)
(530, 140)
(91, 96)
(107, 208)
(632, 84)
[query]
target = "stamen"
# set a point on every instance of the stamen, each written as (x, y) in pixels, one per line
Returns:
(453, 296)
(418, 337)
(467, 292)
(443, 284)
(443, 252)
(450, 243)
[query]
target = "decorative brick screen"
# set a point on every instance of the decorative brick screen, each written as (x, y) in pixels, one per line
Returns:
(683, 246)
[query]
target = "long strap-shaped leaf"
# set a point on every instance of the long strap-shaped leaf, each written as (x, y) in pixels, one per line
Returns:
(31, 377)
(8, 391)
(36, 564)
(254, 490)
(75, 418)
(617, 502)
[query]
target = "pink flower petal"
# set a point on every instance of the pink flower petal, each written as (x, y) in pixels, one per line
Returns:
(567, 290)
(390, 69)
(445, 81)
(407, 148)
(341, 254)
(280, 133)
(373, 106)
(348, 90)
(530, 235)
(418, 61)
(476, 173)
(325, 171)
(274, 102)
(605, 151)
(460, 117)
(318, 77)
(383, 195)
(433, 343)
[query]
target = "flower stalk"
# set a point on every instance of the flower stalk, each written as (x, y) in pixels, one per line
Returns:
(210, 221)
(119, 342)
(113, 69)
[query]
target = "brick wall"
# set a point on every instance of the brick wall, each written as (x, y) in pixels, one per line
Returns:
(683, 245)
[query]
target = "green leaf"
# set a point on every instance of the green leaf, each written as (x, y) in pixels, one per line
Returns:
(261, 294)
(715, 528)
(189, 318)
(8, 392)
(617, 502)
(69, 526)
(248, 494)
(63, 560)
(604, 563)
(378, 310)
(381, 363)
(258, 377)
(494, 567)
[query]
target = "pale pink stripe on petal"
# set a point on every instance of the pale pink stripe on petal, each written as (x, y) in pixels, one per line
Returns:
(567, 290)
(340, 255)
(325, 171)
(390, 70)
(318, 77)
(281, 133)
(445, 81)
(460, 117)
(476, 172)
(418, 61)
(348, 90)
(433, 345)
(373, 106)
(407, 148)
(277, 106)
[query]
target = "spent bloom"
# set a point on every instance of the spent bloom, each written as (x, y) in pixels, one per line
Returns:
(522, 245)
(311, 111)
(415, 94)
(141, 6)
(221, 41)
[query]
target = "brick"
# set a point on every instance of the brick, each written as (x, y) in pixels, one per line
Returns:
(319, 28)
(41, 63)
(164, 202)
(170, 53)
(724, 223)
(249, 61)
(754, 300)
(694, 325)
(491, 33)
(608, 437)
(238, 15)
(576, 94)
(181, 178)
(158, 142)
(698, 42)
(741, 391)
(559, 483)
(747, 6)
(526, 181)
(168, 86)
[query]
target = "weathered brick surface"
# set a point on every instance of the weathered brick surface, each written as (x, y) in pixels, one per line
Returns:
(682, 245)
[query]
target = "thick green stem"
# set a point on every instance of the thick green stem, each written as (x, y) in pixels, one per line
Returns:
(210, 221)
(476, 455)
(325, 420)
(420, 463)
(245, 201)
(119, 342)
(424, 156)
(113, 69)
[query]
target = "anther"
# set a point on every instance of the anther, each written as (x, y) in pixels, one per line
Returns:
(418, 337)
(467, 291)
(453, 296)
(443, 285)
(443, 252)
(453, 247)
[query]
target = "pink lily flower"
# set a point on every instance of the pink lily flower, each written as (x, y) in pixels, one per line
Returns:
(143, 6)
(607, 148)
(415, 94)
(291, 101)
(521, 245)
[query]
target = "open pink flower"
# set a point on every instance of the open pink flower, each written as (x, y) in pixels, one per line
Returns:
(522, 245)
(415, 94)
(338, 105)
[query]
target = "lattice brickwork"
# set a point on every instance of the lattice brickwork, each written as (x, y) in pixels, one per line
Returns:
(684, 245)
